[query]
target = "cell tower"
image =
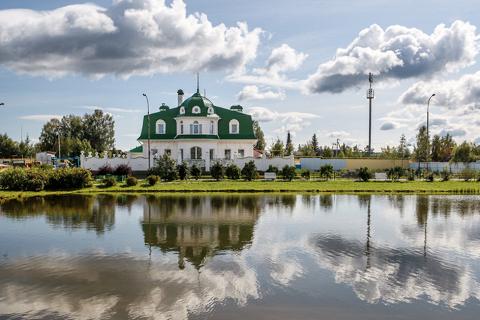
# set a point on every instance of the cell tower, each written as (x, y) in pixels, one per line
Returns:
(370, 96)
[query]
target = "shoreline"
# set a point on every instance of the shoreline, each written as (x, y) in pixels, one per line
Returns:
(258, 187)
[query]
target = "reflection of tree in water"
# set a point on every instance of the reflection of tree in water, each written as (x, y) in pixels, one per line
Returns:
(287, 201)
(71, 211)
(364, 200)
(199, 226)
(326, 201)
(397, 202)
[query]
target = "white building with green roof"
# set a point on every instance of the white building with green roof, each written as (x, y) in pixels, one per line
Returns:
(197, 131)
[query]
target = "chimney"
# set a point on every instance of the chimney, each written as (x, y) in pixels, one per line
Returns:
(180, 96)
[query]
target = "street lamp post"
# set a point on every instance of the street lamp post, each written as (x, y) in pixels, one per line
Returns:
(148, 129)
(428, 132)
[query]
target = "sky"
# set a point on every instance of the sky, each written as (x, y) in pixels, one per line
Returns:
(300, 66)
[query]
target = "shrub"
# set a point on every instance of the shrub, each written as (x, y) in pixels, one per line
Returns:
(69, 178)
(249, 171)
(395, 173)
(467, 174)
(183, 171)
(131, 181)
(288, 173)
(305, 174)
(196, 172)
(122, 170)
(364, 174)
(165, 168)
(430, 177)
(152, 180)
(217, 171)
(272, 168)
(233, 172)
(326, 171)
(109, 182)
(445, 174)
(105, 170)
(411, 175)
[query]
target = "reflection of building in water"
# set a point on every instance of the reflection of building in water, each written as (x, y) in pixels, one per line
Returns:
(197, 227)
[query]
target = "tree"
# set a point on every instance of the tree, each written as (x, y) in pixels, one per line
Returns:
(289, 145)
(195, 172)
(306, 150)
(448, 145)
(277, 149)
(8, 147)
(463, 153)
(421, 149)
(315, 146)
(326, 171)
(217, 171)
(327, 152)
(183, 171)
(402, 149)
(436, 154)
(288, 173)
(233, 172)
(165, 168)
(260, 145)
(99, 130)
(249, 171)
(49, 135)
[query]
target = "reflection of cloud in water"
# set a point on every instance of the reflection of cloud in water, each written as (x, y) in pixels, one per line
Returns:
(100, 287)
(395, 275)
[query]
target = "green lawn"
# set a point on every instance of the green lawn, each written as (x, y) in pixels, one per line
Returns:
(339, 186)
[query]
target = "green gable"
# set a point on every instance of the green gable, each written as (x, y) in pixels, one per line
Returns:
(169, 114)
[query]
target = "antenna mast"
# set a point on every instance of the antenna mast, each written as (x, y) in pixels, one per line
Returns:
(198, 82)
(370, 96)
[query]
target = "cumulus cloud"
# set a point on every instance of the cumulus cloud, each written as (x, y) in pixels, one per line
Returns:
(252, 92)
(389, 125)
(114, 109)
(134, 37)
(396, 53)
(287, 121)
(338, 134)
(40, 117)
(281, 60)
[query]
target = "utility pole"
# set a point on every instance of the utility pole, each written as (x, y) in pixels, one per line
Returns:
(148, 129)
(428, 132)
(370, 96)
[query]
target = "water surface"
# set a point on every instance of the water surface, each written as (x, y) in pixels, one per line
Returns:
(240, 256)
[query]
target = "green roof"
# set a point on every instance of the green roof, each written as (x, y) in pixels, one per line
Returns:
(138, 149)
(168, 115)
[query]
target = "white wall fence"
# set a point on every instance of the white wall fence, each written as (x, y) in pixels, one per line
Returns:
(440, 166)
(140, 163)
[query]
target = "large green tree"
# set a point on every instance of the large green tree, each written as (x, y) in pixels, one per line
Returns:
(8, 147)
(422, 146)
(463, 153)
(99, 130)
(289, 145)
(261, 144)
(315, 145)
(278, 148)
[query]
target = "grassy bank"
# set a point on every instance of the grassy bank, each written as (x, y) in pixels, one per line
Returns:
(339, 186)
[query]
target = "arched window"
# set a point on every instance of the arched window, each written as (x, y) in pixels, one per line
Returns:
(160, 127)
(211, 127)
(182, 110)
(196, 109)
(210, 110)
(181, 127)
(234, 126)
(195, 128)
(196, 153)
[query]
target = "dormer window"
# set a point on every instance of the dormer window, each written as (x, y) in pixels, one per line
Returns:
(234, 126)
(196, 109)
(160, 127)
(182, 110)
(210, 110)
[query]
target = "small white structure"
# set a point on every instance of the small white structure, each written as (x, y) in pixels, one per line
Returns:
(45, 157)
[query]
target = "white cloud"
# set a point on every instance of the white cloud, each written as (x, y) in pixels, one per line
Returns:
(396, 53)
(114, 109)
(252, 92)
(338, 134)
(389, 125)
(134, 37)
(40, 117)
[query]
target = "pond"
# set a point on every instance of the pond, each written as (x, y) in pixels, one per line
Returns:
(240, 256)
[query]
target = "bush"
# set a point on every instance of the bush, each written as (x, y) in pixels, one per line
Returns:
(217, 171)
(69, 178)
(467, 174)
(249, 171)
(364, 174)
(165, 168)
(411, 175)
(233, 172)
(131, 181)
(122, 170)
(305, 174)
(196, 172)
(395, 173)
(109, 182)
(445, 174)
(152, 180)
(104, 170)
(183, 171)
(326, 171)
(430, 177)
(272, 168)
(288, 173)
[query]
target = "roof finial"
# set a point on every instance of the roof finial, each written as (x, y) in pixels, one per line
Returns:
(198, 82)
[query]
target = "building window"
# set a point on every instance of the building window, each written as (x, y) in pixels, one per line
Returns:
(168, 152)
(182, 110)
(160, 127)
(195, 128)
(241, 153)
(211, 127)
(228, 154)
(196, 153)
(212, 154)
(210, 110)
(181, 154)
(234, 126)
(196, 109)
(181, 127)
